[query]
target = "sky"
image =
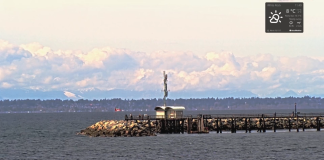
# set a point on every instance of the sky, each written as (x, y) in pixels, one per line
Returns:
(68, 45)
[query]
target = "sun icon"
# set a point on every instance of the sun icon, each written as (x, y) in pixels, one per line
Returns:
(275, 18)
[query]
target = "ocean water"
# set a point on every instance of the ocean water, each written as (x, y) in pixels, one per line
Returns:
(54, 136)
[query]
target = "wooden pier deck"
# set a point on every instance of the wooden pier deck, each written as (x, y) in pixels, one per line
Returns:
(232, 122)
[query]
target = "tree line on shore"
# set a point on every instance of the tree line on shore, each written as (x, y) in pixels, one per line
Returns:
(106, 105)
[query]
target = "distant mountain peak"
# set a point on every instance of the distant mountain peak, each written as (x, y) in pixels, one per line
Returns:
(290, 93)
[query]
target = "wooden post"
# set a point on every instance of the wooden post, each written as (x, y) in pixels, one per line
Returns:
(274, 124)
(189, 125)
(304, 124)
(232, 125)
(245, 125)
(163, 129)
(318, 121)
(217, 129)
(169, 126)
(175, 126)
(182, 126)
(289, 125)
(166, 126)
(198, 124)
(263, 126)
(221, 125)
(249, 125)
(319, 124)
(179, 126)
(297, 123)
(260, 123)
(149, 123)
(156, 126)
(202, 128)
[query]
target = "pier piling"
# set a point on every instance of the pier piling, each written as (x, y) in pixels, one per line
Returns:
(232, 123)
(318, 121)
(249, 125)
(289, 124)
(245, 125)
(304, 124)
(221, 125)
(297, 124)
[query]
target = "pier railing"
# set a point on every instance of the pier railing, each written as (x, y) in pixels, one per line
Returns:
(278, 115)
(154, 117)
(216, 116)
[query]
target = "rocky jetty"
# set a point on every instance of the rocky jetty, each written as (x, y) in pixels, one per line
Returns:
(120, 128)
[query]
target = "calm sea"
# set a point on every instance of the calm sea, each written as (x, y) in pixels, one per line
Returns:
(54, 136)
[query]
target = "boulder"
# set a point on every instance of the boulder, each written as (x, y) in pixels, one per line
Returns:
(114, 128)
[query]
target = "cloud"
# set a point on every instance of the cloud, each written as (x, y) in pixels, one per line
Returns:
(33, 66)
(36, 49)
(6, 85)
(69, 94)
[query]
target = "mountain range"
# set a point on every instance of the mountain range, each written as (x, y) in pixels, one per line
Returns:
(129, 94)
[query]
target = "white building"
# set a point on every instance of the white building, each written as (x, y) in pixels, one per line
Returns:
(169, 111)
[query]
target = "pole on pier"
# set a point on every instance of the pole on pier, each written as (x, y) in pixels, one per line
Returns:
(221, 125)
(200, 124)
(166, 128)
(245, 125)
(319, 124)
(175, 126)
(274, 124)
(318, 121)
(264, 127)
(297, 123)
(289, 125)
(189, 125)
(178, 126)
(157, 126)
(182, 126)
(232, 125)
(217, 127)
(249, 125)
(304, 124)
(149, 123)
(171, 126)
(260, 123)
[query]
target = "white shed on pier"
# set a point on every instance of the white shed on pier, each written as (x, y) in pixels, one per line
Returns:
(169, 111)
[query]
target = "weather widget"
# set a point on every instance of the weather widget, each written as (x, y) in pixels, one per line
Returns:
(284, 17)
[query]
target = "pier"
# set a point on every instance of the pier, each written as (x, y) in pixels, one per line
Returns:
(232, 122)
(170, 119)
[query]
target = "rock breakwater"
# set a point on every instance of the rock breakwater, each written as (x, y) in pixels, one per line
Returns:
(120, 128)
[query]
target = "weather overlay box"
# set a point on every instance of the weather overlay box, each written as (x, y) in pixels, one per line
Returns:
(284, 17)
